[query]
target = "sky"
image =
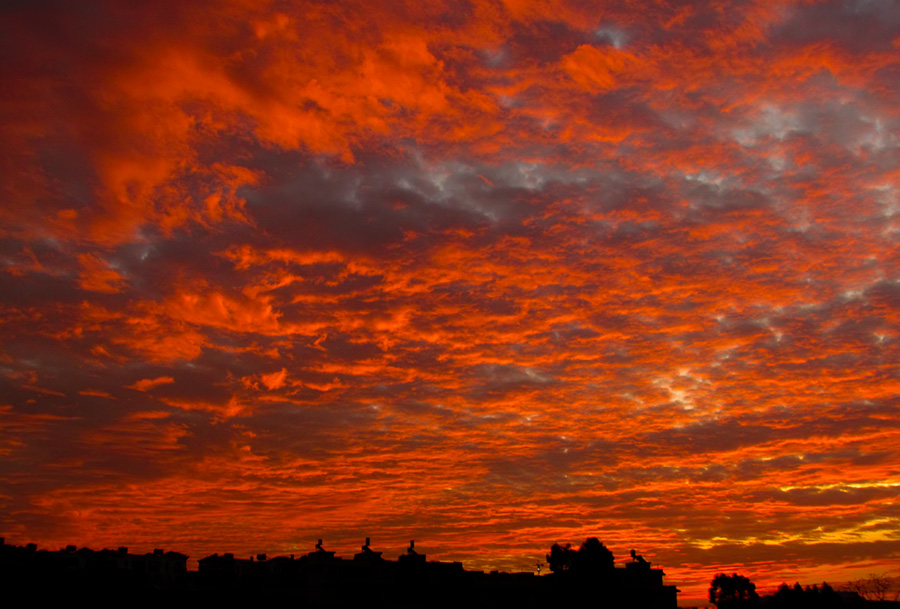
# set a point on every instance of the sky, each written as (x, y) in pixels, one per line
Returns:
(486, 275)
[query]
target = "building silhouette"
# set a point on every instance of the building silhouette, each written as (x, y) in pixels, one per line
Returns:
(320, 579)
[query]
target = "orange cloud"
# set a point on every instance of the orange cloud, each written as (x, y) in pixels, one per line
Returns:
(274, 380)
(596, 68)
(98, 276)
(148, 384)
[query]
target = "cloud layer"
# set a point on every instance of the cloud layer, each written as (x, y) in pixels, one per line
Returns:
(489, 275)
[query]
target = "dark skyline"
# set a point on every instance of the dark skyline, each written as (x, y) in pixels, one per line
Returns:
(321, 579)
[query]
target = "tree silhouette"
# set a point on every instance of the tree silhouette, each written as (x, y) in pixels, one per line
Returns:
(560, 557)
(594, 556)
(875, 587)
(729, 591)
(590, 558)
(811, 597)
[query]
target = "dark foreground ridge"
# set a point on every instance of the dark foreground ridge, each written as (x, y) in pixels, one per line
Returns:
(586, 577)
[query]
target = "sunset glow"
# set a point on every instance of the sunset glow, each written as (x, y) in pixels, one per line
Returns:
(488, 275)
